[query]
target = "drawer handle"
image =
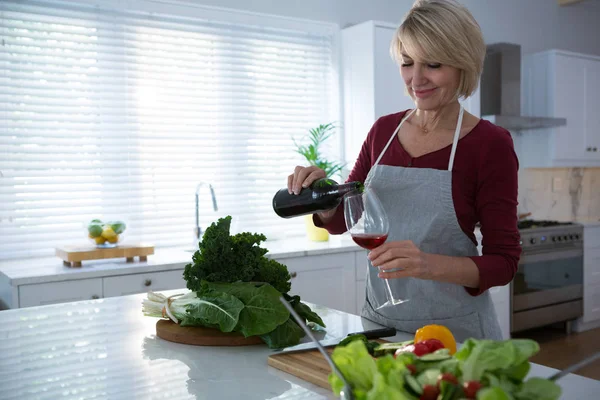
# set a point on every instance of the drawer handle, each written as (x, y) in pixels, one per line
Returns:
(95, 297)
(294, 274)
(148, 282)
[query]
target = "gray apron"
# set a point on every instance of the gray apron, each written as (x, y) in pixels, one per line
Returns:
(420, 208)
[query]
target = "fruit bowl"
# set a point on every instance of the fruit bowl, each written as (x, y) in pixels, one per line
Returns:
(105, 234)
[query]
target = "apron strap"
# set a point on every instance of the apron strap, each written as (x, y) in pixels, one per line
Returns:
(456, 136)
(393, 136)
(454, 142)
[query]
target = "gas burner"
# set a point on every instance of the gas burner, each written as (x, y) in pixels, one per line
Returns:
(532, 224)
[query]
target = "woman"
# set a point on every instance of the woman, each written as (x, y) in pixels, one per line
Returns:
(438, 170)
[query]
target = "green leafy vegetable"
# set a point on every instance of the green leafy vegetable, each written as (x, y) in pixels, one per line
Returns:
(263, 311)
(538, 389)
(357, 365)
(489, 355)
(217, 310)
(493, 393)
(225, 258)
(482, 369)
(283, 335)
(235, 288)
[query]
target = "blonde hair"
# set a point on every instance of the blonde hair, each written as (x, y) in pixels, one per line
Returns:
(445, 32)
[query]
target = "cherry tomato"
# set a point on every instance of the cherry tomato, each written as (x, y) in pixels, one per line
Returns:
(433, 344)
(471, 388)
(447, 377)
(412, 369)
(421, 349)
(430, 392)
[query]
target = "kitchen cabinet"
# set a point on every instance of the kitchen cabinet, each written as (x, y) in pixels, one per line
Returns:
(59, 292)
(591, 279)
(373, 86)
(140, 283)
(591, 273)
(362, 269)
(565, 85)
(327, 279)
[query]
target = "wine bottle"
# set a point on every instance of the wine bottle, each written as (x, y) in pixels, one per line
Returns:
(324, 194)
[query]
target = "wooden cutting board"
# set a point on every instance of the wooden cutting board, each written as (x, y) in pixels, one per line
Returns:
(309, 365)
(72, 256)
(200, 336)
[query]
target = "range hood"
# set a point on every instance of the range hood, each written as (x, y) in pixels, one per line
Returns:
(501, 90)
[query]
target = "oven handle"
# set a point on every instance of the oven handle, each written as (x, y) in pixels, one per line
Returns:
(550, 256)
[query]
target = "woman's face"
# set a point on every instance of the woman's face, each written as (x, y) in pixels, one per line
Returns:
(431, 85)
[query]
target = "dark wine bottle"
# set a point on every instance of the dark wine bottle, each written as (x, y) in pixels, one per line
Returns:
(324, 194)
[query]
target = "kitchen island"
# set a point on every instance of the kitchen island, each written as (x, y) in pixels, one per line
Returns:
(106, 349)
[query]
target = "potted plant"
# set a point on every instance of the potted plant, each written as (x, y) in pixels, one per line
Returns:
(313, 154)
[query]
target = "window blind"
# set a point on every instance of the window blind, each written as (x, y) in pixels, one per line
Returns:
(115, 114)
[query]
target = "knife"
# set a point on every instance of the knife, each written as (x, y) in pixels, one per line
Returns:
(370, 334)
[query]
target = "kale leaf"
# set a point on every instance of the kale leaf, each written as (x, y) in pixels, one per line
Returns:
(225, 258)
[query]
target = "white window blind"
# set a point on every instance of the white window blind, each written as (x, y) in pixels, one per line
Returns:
(114, 114)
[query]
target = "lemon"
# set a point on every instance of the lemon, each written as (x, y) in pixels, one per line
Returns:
(99, 240)
(94, 230)
(108, 232)
(113, 239)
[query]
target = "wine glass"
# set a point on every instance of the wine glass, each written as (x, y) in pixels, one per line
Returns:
(368, 225)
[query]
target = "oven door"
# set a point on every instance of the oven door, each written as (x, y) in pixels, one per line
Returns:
(548, 277)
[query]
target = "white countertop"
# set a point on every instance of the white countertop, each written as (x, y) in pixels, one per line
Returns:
(106, 349)
(51, 269)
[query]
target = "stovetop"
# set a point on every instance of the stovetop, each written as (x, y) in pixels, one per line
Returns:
(548, 234)
(532, 224)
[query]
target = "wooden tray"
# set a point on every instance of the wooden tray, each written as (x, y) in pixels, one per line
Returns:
(72, 256)
(309, 365)
(200, 336)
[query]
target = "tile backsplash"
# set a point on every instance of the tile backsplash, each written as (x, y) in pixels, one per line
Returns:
(563, 194)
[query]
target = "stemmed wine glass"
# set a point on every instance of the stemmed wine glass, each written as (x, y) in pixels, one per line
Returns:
(368, 225)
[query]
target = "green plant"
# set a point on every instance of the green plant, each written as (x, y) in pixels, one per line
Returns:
(312, 151)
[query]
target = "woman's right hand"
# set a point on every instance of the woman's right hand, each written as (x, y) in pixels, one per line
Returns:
(303, 177)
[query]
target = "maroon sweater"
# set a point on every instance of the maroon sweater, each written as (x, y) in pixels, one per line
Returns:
(484, 189)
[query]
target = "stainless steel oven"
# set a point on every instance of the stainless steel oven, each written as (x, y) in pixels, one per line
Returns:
(548, 287)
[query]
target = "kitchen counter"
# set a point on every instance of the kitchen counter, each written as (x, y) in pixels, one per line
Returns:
(106, 349)
(51, 269)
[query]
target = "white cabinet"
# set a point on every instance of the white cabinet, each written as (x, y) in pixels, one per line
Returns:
(141, 283)
(591, 274)
(564, 85)
(501, 299)
(362, 269)
(59, 292)
(327, 280)
(373, 86)
(591, 279)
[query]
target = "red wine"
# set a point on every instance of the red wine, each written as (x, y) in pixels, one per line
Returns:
(322, 195)
(369, 241)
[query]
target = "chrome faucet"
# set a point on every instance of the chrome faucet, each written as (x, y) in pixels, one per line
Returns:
(198, 230)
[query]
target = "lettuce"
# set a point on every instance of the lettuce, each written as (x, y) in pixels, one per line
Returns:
(480, 356)
(499, 366)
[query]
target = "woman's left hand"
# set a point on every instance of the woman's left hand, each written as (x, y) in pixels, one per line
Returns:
(404, 256)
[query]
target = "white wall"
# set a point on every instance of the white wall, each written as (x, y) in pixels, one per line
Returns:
(535, 24)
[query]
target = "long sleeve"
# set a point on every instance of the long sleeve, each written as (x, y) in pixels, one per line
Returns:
(496, 207)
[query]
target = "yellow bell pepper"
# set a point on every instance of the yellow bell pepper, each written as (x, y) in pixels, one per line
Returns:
(438, 332)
